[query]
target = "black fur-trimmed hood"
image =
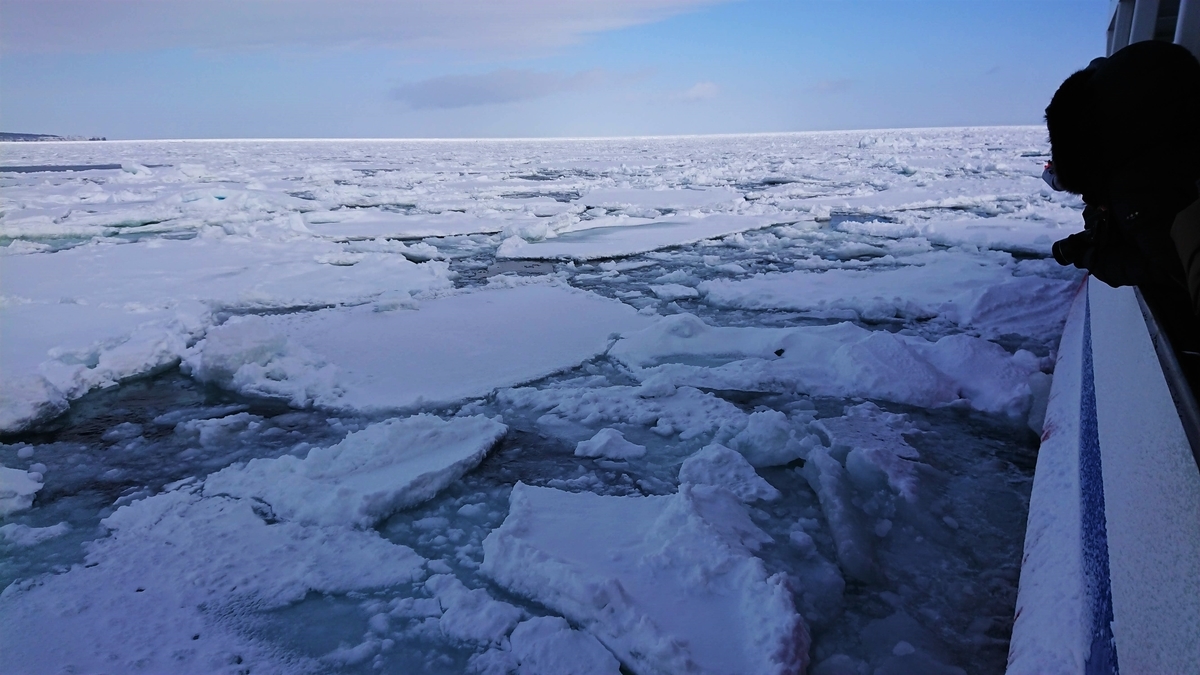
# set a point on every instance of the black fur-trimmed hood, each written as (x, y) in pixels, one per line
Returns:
(1128, 123)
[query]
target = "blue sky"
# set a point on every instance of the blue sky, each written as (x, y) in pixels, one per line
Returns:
(485, 68)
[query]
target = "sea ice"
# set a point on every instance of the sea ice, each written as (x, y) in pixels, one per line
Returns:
(616, 242)
(368, 476)
(23, 535)
(95, 315)
(671, 292)
(375, 223)
(770, 438)
(718, 465)
(663, 199)
(448, 349)
(873, 441)
(668, 410)
(166, 590)
(974, 291)
(471, 615)
(252, 538)
(837, 360)
(610, 444)
(17, 489)
(364, 278)
(546, 645)
(669, 584)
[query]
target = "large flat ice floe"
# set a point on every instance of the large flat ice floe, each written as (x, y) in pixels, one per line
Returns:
(443, 351)
(92, 316)
(669, 584)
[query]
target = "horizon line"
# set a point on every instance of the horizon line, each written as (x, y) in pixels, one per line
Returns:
(463, 139)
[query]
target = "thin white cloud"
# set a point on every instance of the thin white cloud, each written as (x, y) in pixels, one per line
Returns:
(84, 26)
(701, 91)
(496, 87)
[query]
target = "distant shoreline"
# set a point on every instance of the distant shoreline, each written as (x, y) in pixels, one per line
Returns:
(35, 138)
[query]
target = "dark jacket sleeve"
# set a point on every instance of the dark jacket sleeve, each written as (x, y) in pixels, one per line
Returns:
(1185, 232)
(1113, 254)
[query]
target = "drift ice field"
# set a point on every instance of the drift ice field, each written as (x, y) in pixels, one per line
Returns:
(730, 405)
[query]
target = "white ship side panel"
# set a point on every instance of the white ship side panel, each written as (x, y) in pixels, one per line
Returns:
(1050, 633)
(1151, 494)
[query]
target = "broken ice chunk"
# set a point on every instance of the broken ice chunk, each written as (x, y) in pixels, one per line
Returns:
(770, 440)
(16, 534)
(829, 480)
(670, 292)
(609, 443)
(160, 594)
(669, 584)
(546, 645)
(17, 489)
(716, 464)
(471, 615)
(876, 446)
(368, 476)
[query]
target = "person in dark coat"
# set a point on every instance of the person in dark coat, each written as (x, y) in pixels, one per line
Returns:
(1125, 135)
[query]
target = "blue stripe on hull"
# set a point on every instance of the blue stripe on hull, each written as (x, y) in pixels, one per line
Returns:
(1102, 659)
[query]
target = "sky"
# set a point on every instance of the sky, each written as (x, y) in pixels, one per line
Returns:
(134, 69)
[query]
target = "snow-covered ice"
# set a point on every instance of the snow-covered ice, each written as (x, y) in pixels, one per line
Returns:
(745, 404)
(97, 314)
(166, 588)
(969, 290)
(618, 240)
(668, 583)
(383, 358)
(611, 444)
(368, 476)
(718, 465)
(843, 360)
(17, 488)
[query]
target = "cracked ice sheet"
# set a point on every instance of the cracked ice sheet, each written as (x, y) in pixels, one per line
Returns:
(616, 242)
(183, 574)
(669, 584)
(447, 350)
(97, 314)
(978, 291)
(842, 360)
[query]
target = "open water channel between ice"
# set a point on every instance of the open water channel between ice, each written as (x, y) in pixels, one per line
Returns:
(756, 404)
